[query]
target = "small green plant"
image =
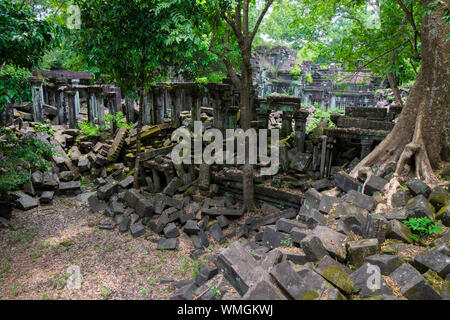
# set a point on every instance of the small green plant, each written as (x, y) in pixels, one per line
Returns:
(88, 128)
(421, 227)
(118, 120)
(215, 291)
(47, 127)
(105, 292)
(144, 292)
(286, 242)
(351, 266)
(281, 204)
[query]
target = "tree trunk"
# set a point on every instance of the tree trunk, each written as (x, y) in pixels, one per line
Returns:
(137, 164)
(415, 142)
(394, 87)
(246, 114)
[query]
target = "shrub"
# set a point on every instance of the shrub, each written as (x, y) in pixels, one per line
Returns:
(421, 227)
(20, 157)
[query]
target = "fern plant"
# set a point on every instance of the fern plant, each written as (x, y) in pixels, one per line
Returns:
(422, 227)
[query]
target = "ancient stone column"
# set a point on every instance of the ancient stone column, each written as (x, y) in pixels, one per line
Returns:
(148, 101)
(76, 82)
(286, 124)
(129, 106)
(366, 146)
(100, 104)
(72, 109)
(300, 129)
(37, 96)
(196, 104)
(91, 104)
(61, 100)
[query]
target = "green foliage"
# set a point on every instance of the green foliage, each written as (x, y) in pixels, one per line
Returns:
(47, 127)
(309, 78)
(118, 120)
(23, 36)
(14, 85)
(296, 72)
(422, 227)
(20, 157)
(88, 128)
(149, 35)
(319, 115)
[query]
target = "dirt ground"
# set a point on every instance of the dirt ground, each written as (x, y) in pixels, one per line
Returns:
(44, 242)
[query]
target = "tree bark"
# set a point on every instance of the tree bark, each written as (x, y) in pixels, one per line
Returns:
(246, 114)
(394, 87)
(137, 164)
(416, 138)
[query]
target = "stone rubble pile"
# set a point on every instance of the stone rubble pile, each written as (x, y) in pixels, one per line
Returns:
(337, 248)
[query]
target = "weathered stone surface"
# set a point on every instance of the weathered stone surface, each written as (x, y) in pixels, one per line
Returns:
(334, 242)
(192, 208)
(360, 249)
(439, 198)
(419, 207)
(216, 232)
(28, 188)
(116, 207)
(386, 262)
(46, 197)
(346, 183)
(83, 164)
(64, 176)
(204, 178)
(444, 215)
(369, 281)
(137, 229)
(433, 260)
(131, 198)
(286, 225)
(417, 187)
(127, 182)
(359, 199)
(412, 285)
(222, 212)
(37, 178)
(173, 186)
(124, 224)
(374, 184)
(336, 274)
(311, 217)
(171, 231)
(223, 221)
(117, 145)
(105, 192)
(239, 267)
(311, 199)
(376, 227)
(399, 231)
(26, 202)
(297, 234)
(69, 186)
(144, 207)
(327, 203)
(263, 290)
(96, 204)
(274, 239)
(322, 184)
(400, 198)
(292, 283)
(313, 248)
(354, 222)
(168, 244)
(191, 227)
(4, 223)
(186, 292)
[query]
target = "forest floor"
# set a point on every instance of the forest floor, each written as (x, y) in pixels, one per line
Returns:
(43, 243)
